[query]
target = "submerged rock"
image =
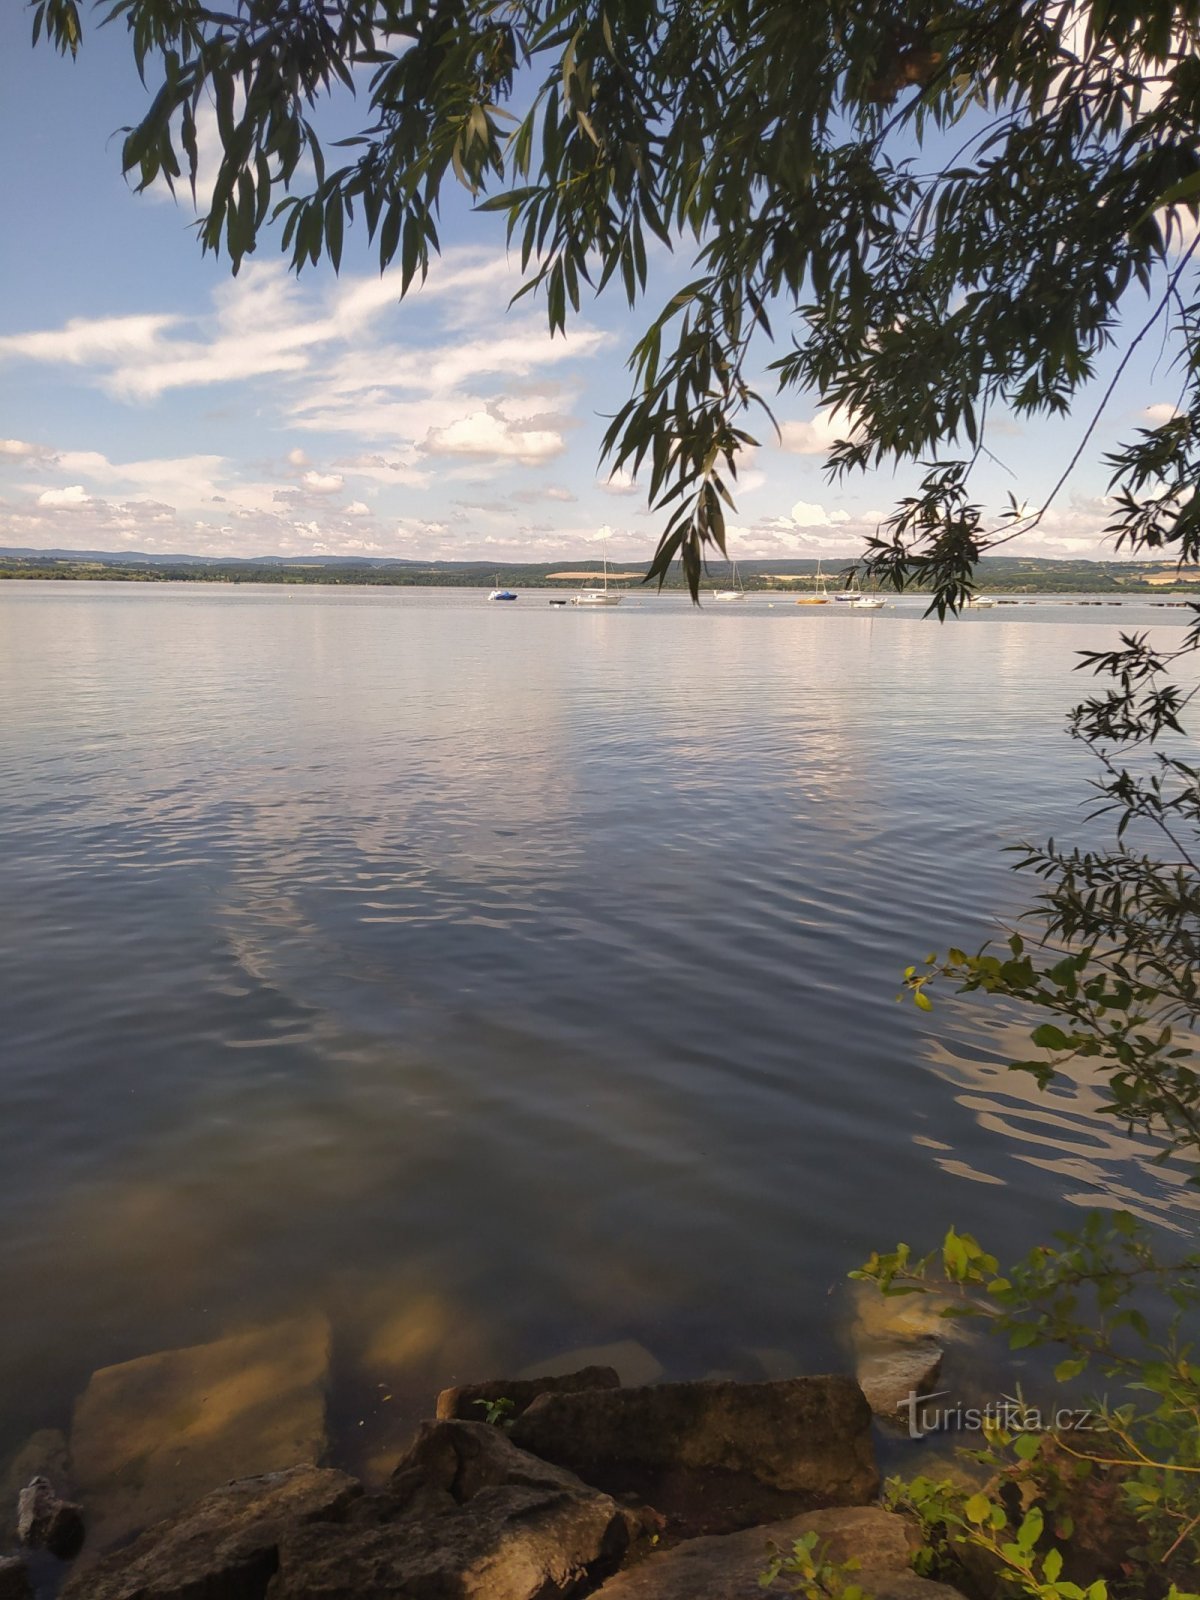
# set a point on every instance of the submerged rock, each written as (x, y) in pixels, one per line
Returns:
(464, 1401)
(225, 1547)
(44, 1522)
(151, 1436)
(466, 1517)
(895, 1376)
(713, 1456)
(14, 1579)
(727, 1567)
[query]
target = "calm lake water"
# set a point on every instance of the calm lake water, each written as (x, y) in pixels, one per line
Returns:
(517, 978)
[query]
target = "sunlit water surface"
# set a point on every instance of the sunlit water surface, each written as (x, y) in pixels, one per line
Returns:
(526, 975)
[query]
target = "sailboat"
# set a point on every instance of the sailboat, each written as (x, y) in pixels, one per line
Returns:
(739, 593)
(501, 594)
(598, 597)
(820, 596)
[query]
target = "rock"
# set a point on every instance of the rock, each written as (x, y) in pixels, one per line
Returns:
(512, 1544)
(713, 1457)
(44, 1522)
(43, 1455)
(632, 1360)
(895, 1376)
(14, 1579)
(451, 1461)
(151, 1436)
(467, 1517)
(223, 1548)
(727, 1567)
(464, 1401)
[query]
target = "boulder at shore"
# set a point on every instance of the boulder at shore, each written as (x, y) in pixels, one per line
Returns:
(468, 1517)
(727, 1567)
(223, 1548)
(151, 1436)
(713, 1456)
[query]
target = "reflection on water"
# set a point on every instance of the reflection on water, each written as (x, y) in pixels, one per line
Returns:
(1063, 1131)
(500, 981)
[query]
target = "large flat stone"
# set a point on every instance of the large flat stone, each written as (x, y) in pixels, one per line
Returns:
(728, 1567)
(713, 1456)
(151, 1436)
(223, 1548)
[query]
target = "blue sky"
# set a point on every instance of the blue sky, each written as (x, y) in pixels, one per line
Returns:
(149, 401)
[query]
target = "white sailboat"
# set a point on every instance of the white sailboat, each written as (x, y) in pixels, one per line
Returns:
(738, 593)
(598, 597)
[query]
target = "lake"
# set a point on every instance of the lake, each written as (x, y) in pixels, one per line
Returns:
(518, 979)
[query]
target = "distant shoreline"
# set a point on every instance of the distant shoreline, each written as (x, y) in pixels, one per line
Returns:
(995, 575)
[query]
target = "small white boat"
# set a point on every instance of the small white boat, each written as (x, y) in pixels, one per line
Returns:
(598, 597)
(867, 602)
(981, 602)
(731, 594)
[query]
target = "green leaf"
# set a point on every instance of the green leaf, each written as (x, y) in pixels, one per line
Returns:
(1066, 1370)
(978, 1509)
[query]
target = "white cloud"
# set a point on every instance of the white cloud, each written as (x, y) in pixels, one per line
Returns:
(1159, 413)
(807, 514)
(815, 437)
(619, 482)
(21, 449)
(100, 341)
(323, 482)
(357, 508)
(74, 496)
(483, 435)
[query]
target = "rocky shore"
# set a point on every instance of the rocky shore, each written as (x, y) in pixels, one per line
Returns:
(199, 1474)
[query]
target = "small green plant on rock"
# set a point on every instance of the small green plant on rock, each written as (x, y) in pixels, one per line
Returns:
(498, 1413)
(809, 1573)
